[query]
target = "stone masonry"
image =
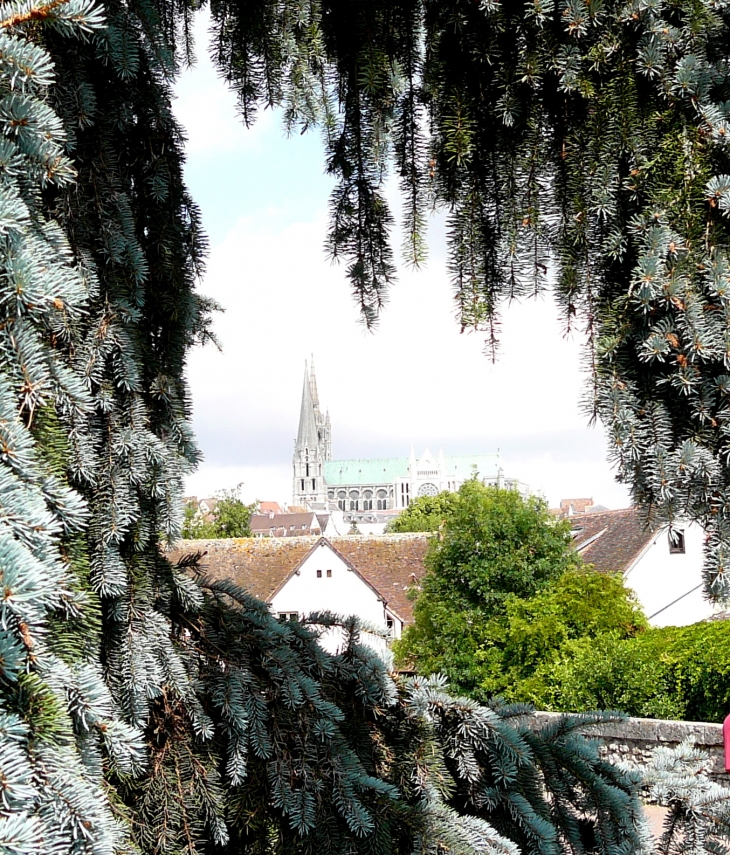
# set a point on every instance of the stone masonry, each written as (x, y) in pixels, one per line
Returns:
(631, 741)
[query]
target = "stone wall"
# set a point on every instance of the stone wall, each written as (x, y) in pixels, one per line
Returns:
(632, 740)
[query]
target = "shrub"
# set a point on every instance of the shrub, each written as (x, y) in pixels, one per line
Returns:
(669, 672)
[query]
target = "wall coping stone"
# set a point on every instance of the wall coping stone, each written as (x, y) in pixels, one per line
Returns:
(702, 733)
(639, 735)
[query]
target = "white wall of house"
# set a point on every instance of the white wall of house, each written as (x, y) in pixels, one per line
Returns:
(669, 584)
(324, 582)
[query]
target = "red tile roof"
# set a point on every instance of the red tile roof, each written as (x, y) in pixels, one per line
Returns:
(270, 508)
(611, 540)
(391, 563)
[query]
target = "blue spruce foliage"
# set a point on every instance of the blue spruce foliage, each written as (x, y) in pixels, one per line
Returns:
(147, 709)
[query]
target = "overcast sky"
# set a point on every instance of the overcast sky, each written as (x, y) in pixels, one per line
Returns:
(415, 381)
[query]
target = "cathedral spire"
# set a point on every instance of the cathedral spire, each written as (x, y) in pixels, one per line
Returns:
(307, 436)
(313, 383)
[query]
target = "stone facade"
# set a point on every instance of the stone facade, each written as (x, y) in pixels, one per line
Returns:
(362, 488)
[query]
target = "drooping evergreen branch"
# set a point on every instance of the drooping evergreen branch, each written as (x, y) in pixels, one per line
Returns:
(586, 138)
(539, 134)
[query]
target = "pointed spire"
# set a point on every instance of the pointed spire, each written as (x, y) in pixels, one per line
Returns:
(313, 383)
(307, 435)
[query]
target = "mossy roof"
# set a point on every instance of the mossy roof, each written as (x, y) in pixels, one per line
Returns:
(392, 563)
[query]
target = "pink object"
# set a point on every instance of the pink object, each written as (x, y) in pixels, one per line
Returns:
(726, 741)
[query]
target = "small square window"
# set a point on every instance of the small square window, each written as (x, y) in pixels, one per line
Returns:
(319, 574)
(293, 615)
(676, 543)
(329, 574)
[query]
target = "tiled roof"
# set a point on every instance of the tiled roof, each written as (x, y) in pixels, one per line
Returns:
(611, 540)
(390, 563)
(270, 508)
(281, 524)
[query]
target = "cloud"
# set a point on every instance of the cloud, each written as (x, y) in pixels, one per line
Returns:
(415, 380)
(207, 108)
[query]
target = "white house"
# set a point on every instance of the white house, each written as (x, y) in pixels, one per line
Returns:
(664, 569)
(366, 576)
(324, 580)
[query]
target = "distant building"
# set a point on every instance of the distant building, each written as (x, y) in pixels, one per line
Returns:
(203, 508)
(571, 507)
(362, 488)
(366, 576)
(663, 568)
(270, 508)
(302, 524)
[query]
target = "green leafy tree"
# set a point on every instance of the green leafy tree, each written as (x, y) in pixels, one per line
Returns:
(142, 709)
(493, 546)
(535, 632)
(666, 672)
(231, 517)
(194, 527)
(425, 513)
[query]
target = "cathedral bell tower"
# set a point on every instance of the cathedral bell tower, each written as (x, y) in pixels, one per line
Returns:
(312, 448)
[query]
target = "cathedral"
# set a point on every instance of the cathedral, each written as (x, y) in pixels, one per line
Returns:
(376, 484)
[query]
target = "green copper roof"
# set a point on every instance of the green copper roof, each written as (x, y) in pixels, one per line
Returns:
(379, 470)
(385, 470)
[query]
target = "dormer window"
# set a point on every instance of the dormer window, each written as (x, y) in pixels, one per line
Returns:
(676, 542)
